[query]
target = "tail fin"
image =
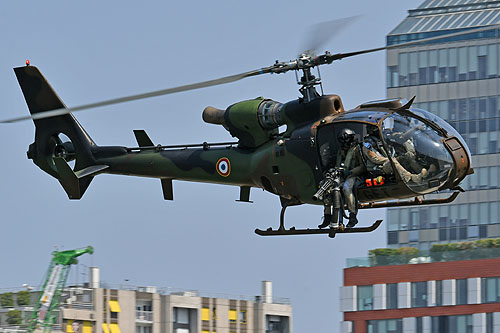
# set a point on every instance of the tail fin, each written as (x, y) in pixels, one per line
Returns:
(48, 145)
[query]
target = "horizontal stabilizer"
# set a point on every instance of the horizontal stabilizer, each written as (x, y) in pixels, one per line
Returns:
(73, 183)
(90, 171)
(143, 139)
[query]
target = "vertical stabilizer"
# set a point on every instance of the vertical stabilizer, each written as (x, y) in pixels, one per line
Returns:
(52, 134)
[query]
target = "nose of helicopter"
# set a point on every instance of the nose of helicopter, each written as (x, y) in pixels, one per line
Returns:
(461, 158)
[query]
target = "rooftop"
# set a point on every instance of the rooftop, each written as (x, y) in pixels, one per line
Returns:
(161, 291)
(451, 15)
(483, 249)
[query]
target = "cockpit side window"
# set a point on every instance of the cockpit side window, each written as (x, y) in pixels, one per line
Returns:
(327, 141)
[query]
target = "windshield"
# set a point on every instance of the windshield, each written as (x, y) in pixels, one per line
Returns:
(441, 123)
(418, 153)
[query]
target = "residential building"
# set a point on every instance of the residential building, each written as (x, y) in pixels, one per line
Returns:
(97, 307)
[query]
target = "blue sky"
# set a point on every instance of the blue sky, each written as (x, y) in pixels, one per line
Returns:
(95, 50)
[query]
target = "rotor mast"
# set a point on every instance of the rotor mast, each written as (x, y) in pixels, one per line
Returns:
(305, 62)
(308, 81)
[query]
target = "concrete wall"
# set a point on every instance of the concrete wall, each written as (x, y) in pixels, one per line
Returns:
(97, 297)
(156, 313)
(126, 318)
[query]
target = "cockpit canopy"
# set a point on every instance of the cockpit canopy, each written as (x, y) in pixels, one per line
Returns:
(408, 143)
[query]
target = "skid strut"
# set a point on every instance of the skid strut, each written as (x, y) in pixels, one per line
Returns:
(330, 231)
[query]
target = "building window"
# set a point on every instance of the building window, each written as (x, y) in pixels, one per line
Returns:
(403, 69)
(439, 293)
(404, 219)
(392, 237)
(473, 231)
(393, 219)
(392, 295)
(419, 325)
(462, 63)
(490, 290)
(392, 76)
(143, 329)
(443, 234)
(461, 291)
(385, 326)
(181, 316)
(114, 308)
(433, 65)
(443, 65)
(243, 316)
(422, 68)
(233, 316)
(413, 73)
(205, 314)
(473, 63)
(365, 298)
(489, 322)
(452, 324)
(483, 231)
(413, 235)
(277, 324)
(482, 62)
(419, 294)
(452, 64)
(424, 217)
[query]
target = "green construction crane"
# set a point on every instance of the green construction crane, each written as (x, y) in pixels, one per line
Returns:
(43, 316)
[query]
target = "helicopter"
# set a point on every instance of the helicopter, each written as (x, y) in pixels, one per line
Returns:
(295, 164)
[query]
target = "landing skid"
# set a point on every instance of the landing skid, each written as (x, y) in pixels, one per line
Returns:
(330, 231)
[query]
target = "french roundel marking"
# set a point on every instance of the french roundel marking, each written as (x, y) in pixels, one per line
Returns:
(223, 167)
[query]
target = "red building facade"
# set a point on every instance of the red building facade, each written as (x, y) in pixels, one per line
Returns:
(454, 296)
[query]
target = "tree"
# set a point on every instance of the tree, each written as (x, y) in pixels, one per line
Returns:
(7, 300)
(23, 298)
(14, 317)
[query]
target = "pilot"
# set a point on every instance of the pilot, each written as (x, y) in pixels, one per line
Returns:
(407, 154)
(376, 156)
(349, 158)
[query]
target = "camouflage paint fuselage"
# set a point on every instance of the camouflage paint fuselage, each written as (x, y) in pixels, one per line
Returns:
(271, 167)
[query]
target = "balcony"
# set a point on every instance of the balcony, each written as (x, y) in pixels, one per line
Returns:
(79, 305)
(144, 316)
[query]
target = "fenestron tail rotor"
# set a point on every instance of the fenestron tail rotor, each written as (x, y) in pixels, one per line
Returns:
(304, 63)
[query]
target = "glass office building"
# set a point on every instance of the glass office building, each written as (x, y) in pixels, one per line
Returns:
(457, 78)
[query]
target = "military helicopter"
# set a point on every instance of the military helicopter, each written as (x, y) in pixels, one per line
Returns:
(299, 165)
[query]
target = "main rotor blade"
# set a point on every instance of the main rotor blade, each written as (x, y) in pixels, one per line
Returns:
(277, 68)
(187, 87)
(319, 34)
(425, 40)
